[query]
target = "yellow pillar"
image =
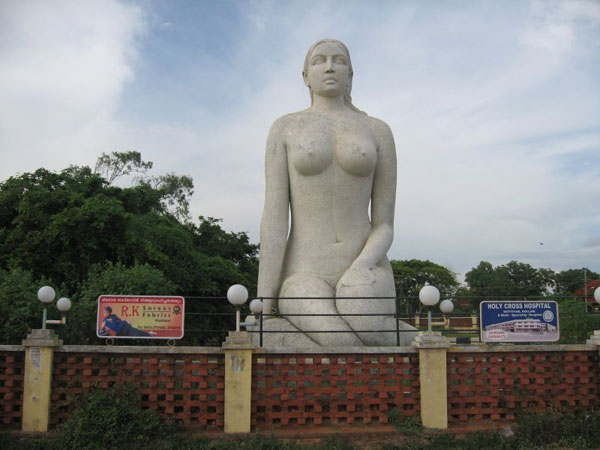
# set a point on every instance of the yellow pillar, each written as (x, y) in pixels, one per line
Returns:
(39, 352)
(238, 382)
(432, 375)
(474, 321)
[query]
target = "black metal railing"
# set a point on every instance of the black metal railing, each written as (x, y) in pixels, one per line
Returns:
(414, 319)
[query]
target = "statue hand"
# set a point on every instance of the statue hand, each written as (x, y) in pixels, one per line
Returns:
(268, 305)
(357, 276)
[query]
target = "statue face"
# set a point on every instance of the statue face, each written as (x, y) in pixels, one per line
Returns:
(328, 70)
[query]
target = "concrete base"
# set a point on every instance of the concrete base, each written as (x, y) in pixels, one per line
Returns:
(42, 338)
(279, 332)
(594, 338)
(238, 340)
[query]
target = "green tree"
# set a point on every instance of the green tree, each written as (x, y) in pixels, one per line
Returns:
(513, 279)
(62, 227)
(571, 280)
(411, 275)
(175, 192)
(118, 164)
(20, 310)
(576, 324)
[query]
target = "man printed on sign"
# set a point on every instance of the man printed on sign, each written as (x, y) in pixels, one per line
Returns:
(113, 325)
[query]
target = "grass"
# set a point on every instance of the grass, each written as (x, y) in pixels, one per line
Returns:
(554, 429)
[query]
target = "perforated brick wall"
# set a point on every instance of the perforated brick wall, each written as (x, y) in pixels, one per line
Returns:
(188, 388)
(498, 386)
(11, 388)
(315, 389)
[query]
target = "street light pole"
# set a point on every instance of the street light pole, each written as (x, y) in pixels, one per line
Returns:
(429, 296)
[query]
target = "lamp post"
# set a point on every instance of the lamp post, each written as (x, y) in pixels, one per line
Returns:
(237, 296)
(257, 306)
(429, 296)
(46, 295)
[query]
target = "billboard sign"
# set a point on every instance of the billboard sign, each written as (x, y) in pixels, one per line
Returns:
(519, 321)
(140, 317)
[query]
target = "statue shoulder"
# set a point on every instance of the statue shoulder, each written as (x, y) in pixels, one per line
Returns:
(378, 126)
(382, 132)
(284, 123)
(286, 126)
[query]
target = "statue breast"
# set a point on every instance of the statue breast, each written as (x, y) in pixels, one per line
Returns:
(312, 155)
(358, 157)
(314, 146)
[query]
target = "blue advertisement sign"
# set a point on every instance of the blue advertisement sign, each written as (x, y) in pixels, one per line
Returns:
(519, 321)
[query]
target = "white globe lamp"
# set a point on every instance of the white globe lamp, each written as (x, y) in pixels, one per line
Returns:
(446, 306)
(597, 295)
(63, 304)
(237, 296)
(46, 294)
(256, 306)
(429, 295)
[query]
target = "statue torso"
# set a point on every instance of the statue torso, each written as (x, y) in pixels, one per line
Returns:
(331, 162)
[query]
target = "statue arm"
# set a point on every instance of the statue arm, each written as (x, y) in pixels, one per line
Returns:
(275, 219)
(383, 199)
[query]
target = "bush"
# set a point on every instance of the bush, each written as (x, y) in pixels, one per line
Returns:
(20, 309)
(111, 418)
(579, 428)
(576, 324)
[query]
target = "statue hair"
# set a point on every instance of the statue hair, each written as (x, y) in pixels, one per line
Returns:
(340, 44)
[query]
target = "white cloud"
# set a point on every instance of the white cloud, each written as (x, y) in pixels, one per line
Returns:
(492, 108)
(63, 67)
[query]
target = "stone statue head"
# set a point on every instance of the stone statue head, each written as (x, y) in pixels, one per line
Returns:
(342, 46)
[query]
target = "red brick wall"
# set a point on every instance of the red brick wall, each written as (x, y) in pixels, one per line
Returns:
(315, 389)
(188, 388)
(11, 388)
(498, 385)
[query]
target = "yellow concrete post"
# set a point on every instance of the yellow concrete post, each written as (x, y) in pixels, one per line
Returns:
(432, 375)
(474, 321)
(37, 389)
(238, 382)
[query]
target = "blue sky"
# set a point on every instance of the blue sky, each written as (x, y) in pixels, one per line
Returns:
(494, 106)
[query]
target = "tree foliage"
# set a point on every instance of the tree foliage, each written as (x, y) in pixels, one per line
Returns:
(118, 164)
(572, 280)
(514, 279)
(19, 309)
(576, 324)
(411, 275)
(74, 230)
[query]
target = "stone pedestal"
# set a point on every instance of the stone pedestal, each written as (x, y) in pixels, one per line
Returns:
(39, 352)
(432, 375)
(594, 338)
(238, 382)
